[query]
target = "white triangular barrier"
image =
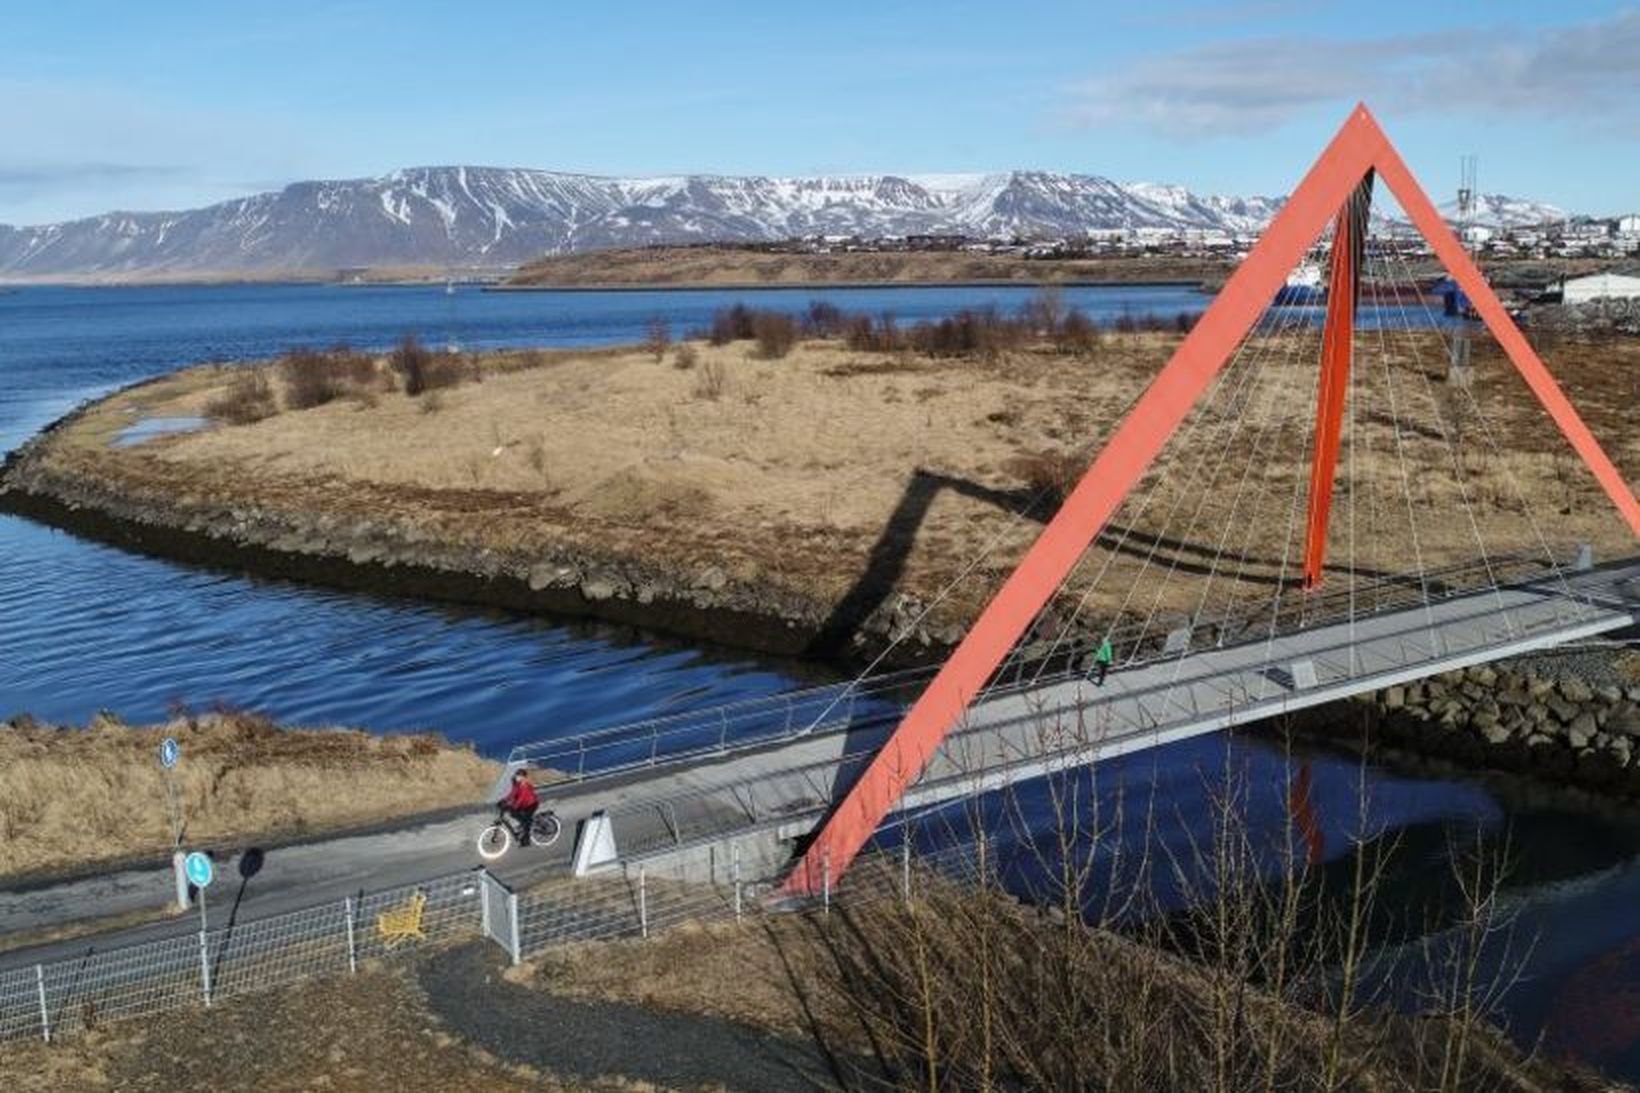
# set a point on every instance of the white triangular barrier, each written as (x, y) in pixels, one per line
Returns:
(594, 843)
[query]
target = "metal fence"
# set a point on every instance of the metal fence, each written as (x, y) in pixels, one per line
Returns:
(203, 967)
(200, 969)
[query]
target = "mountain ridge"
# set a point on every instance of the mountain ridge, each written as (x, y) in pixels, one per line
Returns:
(460, 215)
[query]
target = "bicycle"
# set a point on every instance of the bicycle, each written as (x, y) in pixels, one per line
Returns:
(498, 838)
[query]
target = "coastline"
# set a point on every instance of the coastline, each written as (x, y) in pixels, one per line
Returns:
(384, 560)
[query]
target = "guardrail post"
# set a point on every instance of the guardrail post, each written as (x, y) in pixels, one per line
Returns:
(352, 950)
(205, 968)
(735, 869)
(512, 919)
(45, 1014)
(643, 905)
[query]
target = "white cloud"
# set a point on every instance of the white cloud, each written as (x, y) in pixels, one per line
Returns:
(1586, 73)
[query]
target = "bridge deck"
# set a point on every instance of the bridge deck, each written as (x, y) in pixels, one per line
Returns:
(685, 816)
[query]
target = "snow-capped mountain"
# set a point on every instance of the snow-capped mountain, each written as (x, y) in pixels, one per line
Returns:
(1502, 211)
(484, 216)
(493, 217)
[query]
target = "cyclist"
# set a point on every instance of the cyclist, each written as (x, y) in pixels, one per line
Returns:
(520, 803)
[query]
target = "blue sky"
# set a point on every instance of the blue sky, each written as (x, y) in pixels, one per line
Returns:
(170, 105)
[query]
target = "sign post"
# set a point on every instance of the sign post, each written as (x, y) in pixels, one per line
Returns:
(169, 753)
(200, 872)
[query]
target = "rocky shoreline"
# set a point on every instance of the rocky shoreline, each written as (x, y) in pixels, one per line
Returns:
(379, 556)
(1571, 719)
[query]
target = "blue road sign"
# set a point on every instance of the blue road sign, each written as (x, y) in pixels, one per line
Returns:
(199, 870)
(169, 752)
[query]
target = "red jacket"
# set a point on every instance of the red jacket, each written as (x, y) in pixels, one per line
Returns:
(521, 796)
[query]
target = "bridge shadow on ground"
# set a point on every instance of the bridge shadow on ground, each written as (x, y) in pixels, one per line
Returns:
(886, 563)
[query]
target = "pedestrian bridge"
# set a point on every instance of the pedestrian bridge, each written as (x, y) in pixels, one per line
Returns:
(701, 794)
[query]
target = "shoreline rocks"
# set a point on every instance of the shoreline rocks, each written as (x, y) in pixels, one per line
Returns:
(701, 601)
(1577, 727)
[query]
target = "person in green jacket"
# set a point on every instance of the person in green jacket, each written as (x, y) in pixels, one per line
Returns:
(1101, 661)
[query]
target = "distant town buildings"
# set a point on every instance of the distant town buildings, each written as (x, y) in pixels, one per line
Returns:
(1578, 237)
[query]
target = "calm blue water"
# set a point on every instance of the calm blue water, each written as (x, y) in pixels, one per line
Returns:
(85, 627)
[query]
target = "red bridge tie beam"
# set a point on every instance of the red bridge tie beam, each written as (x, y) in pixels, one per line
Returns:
(1359, 146)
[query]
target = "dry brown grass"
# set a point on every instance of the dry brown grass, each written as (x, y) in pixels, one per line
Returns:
(995, 994)
(741, 972)
(241, 777)
(789, 474)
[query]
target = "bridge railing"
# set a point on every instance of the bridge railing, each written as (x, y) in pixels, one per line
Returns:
(718, 729)
(702, 815)
(748, 723)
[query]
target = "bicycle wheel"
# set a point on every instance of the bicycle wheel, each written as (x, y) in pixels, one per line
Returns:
(544, 830)
(494, 841)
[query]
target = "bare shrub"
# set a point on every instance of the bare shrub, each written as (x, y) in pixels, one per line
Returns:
(1044, 311)
(824, 320)
(685, 358)
(411, 361)
(1050, 475)
(426, 370)
(248, 398)
(657, 337)
(731, 324)
(311, 378)
(776, 333)
(1248, 978)
(711, 381)
(982, 333)
(1077, 334)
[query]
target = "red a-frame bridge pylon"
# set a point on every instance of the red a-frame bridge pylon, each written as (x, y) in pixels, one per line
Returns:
(1330, 190)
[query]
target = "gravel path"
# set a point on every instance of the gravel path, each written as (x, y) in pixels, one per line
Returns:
(576, 1038)
(1596, 665)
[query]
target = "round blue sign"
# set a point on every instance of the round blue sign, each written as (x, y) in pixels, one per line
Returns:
(169, 752)
(198, 869)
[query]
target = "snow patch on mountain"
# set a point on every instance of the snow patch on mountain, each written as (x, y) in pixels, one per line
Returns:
(492, 216)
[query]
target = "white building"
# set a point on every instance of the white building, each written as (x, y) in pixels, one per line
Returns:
(1629, 225)
(1596, 286)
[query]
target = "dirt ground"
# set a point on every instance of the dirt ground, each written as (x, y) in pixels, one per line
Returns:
(241, 777)
(377, 1033)
(833, 469)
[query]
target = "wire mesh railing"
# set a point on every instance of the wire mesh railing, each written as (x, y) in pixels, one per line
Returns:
(868, 700)
(61, 997)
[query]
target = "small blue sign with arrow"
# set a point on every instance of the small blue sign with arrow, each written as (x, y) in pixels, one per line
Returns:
(169, 752)
(199, 870)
